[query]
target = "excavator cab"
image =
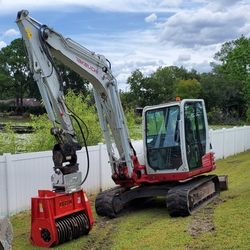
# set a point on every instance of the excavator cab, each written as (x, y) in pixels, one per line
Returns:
(176, 136)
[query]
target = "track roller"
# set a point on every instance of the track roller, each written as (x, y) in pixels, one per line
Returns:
(108, 203)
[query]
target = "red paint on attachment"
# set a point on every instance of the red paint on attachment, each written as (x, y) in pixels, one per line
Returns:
(49, 207)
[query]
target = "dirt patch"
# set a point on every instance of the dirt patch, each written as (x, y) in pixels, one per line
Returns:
(100, 236)
(202, 220)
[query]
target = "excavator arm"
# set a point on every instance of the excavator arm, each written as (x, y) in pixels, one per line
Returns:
(43, 45)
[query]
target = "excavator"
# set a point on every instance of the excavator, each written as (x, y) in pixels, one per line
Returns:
(176, 144)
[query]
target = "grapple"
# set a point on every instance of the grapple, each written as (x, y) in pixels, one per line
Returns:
(59, 217)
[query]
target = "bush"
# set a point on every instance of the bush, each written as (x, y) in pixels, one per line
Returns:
(42, 139)
(9, 142)
(217, 117)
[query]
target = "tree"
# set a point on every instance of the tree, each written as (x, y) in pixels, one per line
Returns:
(188, 89)
(222, 93)
(234, 65)
(234, 59)
(5, 83)
(13, 62)
(159, 87)
(17, 81)
(72, 80)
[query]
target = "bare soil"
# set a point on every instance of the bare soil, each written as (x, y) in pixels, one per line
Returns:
(202, 220)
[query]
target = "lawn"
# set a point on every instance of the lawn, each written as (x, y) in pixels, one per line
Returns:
(224, 224)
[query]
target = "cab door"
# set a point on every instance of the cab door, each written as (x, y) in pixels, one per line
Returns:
(196, 132)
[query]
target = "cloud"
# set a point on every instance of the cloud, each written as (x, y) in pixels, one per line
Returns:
(151, 18)
(181, 33)
(2, 44)
(184, 58)
(105, 5)
(204, 26)
(11, 33)
(144, 52)
(223, 4)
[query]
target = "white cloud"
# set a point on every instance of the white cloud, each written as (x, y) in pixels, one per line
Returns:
(184, 57)
(11, 33)
(204, 26)
(2, 44)
(151, 18)
(143, 51)
(105, 5)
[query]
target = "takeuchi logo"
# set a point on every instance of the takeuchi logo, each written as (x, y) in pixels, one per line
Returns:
(86, 65)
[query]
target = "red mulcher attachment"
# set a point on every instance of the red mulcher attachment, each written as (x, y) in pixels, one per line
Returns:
(59, 217)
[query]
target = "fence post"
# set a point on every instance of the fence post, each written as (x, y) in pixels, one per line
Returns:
(235, 145)
(7, 183)
(223, 142)
(100, 166)
(244, 137)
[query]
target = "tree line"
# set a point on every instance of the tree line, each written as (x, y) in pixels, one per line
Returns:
(226, 89)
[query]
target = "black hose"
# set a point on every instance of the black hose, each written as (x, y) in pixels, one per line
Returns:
(85, 125)
(50, 58)
(86, 148)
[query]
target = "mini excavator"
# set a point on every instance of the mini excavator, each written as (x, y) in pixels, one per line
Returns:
(176, 144)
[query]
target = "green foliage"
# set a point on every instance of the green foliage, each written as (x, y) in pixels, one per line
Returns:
(134, 125)
(188, 89)
(80, 106)
(16, 79)
(72, 81)
(8, 140)
(14, 64)
(221, 92)
(234, 58)
(157, 88)
(43, 140)
(234, 64)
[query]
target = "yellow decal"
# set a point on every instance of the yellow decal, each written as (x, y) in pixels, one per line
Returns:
(28, 33)
(40, 205)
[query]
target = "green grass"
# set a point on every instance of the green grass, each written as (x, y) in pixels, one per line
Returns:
(224, 224)
(15, 120)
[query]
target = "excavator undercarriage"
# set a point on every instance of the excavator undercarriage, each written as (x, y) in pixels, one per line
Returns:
(182, 198)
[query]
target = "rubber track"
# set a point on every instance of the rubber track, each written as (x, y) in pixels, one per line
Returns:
(104, 202)
(177, 197)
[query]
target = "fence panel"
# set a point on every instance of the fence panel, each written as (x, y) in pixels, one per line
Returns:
(216, 139)
(239, 145)
(21, 175)
(3, 187)
(26, 174)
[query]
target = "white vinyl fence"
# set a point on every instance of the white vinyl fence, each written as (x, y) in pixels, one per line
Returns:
(21, 175)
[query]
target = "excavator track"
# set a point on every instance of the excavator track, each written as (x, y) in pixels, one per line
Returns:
(186, 198)
(108, 202)
(182, 199)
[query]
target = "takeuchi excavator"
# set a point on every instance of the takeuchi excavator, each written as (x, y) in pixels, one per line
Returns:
(175, 140)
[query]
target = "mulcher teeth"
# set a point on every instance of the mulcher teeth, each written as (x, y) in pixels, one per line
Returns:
(72, 227)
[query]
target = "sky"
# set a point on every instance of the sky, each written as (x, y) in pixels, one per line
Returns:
(138, 34)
